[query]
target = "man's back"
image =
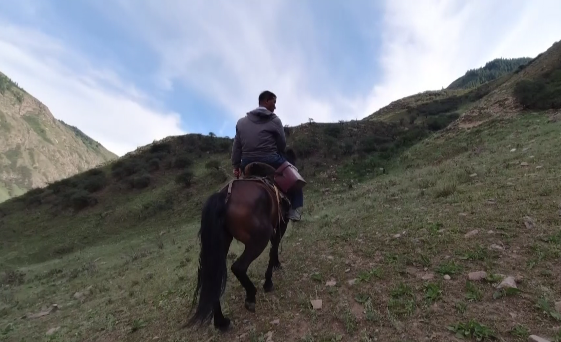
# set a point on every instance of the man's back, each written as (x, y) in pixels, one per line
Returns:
(259, 134)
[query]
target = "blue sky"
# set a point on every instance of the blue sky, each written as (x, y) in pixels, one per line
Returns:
(128, 72)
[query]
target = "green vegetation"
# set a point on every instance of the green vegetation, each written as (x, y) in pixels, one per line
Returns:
(28, 154)
(491, 71)
(541, 93)
(6, 84)
(397, 214)
(135, 248)
(89, 142)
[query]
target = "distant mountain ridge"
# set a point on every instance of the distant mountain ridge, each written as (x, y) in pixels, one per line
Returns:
(491, 71)
(35, 147)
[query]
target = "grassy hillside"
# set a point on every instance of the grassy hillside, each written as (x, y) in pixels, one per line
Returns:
(35, 148)
(123, 269)
(397, 214)
(490, 71)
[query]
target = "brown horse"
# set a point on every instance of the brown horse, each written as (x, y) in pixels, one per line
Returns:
(253, 211)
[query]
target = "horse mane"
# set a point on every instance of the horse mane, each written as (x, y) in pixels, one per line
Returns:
(258, 169)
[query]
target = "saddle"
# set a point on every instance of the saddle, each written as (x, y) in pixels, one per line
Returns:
(281, 181)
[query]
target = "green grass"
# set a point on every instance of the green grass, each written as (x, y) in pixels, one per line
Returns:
(134, 261)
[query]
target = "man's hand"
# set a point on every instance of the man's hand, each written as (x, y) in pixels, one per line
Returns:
(237, 173)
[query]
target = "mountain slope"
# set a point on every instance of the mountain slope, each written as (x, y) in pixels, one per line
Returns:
(396, 216)
(36, 148)
(491, 71)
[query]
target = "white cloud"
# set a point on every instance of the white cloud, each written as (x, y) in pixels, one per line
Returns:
(95, 100)
(428, 44)
(228, 52)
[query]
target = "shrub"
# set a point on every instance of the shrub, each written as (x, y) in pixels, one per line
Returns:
(127, 169)
(213, 164)
(93, 172)
(153, 165)
(541, 94)
(185, 178)
(160, 147)
(12, 277)
(182, 162)
(63, 184)
(217, 175)
(333, 130)
(81, 200)
(33, 200)
(141, 181)
(95, 183)
(157, 155)
(117, 165)
(441, 121)
(225, 145)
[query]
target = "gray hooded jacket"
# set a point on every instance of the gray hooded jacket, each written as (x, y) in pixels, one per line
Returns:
(259, 134)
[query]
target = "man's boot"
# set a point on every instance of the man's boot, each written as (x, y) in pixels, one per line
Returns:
(295, 214)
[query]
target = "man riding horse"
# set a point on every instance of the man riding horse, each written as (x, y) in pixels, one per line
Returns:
(260, 138)
(251, 210)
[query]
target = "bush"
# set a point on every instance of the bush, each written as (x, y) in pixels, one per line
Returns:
(182, 162)
(127, 169)
(213, 164)
(160, 147)
(333, 130)
(153, 165)
(95, 183)
(185, 178)
(63, 184)
(441, 122)
(81, 200)
(117, 165)
(157, 155)
(217, 175)
(305, 147)
(93, 172)
(225, 145)
(141, 181)
(540, 94)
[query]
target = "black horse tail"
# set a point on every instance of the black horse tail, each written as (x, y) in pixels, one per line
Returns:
(212, 274)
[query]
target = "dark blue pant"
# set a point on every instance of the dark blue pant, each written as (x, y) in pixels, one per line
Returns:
(276, 160)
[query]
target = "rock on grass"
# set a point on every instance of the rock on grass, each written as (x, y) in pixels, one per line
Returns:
(317, 304)
(477, 276)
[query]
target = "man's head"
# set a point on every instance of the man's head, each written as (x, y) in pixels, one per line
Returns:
(268, 100)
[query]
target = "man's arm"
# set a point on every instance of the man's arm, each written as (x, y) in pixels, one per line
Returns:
(280, 137)
(236, 151)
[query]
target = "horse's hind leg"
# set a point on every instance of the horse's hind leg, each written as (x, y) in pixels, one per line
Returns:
(275, 246)
(273, 263)
(253, 249)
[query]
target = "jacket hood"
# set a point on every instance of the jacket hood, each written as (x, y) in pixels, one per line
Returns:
(261, 115)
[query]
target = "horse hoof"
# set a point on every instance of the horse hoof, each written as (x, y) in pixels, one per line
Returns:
(250, 306)
(222, 325)
(268, 288)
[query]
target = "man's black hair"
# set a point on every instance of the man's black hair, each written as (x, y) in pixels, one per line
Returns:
(266, 96)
